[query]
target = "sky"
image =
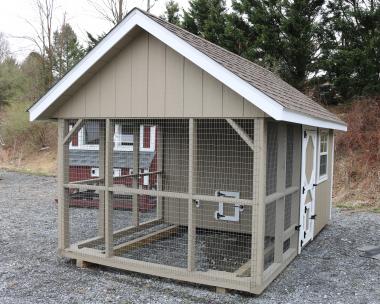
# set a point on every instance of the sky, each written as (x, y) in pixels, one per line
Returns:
(17, 18)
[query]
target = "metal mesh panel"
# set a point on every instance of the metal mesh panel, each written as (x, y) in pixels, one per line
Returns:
(83, 215)
(130, 191)
(272, 147)
(288, 211)
(84, 157)
(269, 239)
(289, 156)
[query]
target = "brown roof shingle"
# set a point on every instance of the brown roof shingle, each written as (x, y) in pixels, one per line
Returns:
(257, 76)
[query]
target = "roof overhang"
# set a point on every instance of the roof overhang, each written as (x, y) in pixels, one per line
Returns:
(137, 18)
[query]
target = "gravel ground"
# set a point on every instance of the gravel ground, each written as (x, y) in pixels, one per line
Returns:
(330, 269)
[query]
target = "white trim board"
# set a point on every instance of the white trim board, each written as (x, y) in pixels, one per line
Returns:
(137, 18)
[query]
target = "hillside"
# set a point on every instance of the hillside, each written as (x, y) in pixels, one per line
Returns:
(357, 156)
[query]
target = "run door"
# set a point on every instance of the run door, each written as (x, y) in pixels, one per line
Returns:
(308, 183)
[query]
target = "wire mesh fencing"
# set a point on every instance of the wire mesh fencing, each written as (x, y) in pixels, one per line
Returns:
(175, 192)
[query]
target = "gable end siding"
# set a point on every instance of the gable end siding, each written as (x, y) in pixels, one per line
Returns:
(149, 79)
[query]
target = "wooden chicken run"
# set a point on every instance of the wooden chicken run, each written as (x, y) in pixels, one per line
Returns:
(182, 160)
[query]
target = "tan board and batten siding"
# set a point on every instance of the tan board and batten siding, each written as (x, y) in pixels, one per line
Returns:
(323, 192)
(149, 79)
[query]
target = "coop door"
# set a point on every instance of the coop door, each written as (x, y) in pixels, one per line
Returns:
(221, 213)
(308, 183)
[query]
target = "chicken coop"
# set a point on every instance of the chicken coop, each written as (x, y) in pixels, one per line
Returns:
(179, 159)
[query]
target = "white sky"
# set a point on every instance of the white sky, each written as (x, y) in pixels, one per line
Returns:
(82, 17)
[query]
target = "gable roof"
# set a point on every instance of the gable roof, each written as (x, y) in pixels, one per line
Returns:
(257, 85)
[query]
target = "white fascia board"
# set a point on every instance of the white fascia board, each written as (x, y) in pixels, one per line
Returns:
(83, 66)
(300, 118)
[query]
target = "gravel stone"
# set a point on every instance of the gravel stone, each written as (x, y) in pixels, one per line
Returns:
(330, 269)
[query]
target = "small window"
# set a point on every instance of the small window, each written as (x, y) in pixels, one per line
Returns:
(323, 150)
(91, 133)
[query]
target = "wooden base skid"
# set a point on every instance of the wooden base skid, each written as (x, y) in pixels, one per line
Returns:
(213, 278)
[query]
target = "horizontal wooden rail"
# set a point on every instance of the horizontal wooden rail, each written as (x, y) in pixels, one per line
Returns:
(84, 187)
(138, 174)
(87, 181)
(146, 239)
(217, 199)
(276, 196)
(118, 233)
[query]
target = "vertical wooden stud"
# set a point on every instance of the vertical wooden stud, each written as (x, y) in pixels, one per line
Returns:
(135, 182)
(191, 205)
(102, 146)
(160, 150)
(63, 178)
(108, 182)
(280, 203)
(258, 208)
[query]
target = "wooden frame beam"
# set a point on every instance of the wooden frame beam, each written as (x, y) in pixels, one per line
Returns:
(118, 233)
(135, 182)
(160, 165)
(108, 182)
(146, 239)
(244, 270)
(258, 217)
(244, 136)
(191, 185)
(78, 125)
(63, 195)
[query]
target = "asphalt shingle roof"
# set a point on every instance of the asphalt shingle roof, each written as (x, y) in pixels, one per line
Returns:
(257, 76)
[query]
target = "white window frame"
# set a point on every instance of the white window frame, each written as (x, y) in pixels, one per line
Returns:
(152, 138)
(117, 143)
(322, 178)
(81, 145)
(118, 146)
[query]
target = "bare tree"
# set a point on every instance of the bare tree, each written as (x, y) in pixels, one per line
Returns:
(43, 38)
(112, 11)
(4, 47)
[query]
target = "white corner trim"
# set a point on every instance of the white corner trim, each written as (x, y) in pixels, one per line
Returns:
(332, 173)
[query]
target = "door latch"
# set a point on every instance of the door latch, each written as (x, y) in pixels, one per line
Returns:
(297, 227)
(313, 217)
(315, 185)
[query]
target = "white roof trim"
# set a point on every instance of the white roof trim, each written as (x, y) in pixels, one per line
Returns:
(137, 18)
(300, 118)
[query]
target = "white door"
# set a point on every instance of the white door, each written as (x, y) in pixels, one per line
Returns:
(308, 183)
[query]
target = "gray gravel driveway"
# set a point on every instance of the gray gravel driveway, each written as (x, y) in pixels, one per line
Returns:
(329, 270)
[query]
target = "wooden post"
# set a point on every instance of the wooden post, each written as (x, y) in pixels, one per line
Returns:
(63, 177)
(102, 146)
(192, 183)
(258, 208)
(280, 203)
(108, 182)
(160, 154)
(135, 183)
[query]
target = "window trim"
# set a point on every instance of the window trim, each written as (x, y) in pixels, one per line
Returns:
(322, 178)
(117, 145)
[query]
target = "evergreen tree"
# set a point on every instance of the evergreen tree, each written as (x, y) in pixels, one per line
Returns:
(67, 50)
(350, 54)
(207, 18)
(281, 35)
(172, 14)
